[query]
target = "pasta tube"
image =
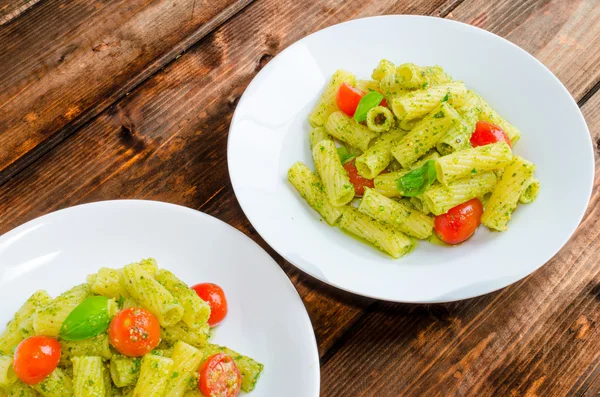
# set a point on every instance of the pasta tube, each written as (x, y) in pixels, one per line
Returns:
(347, 130)
(312, 190)
(388, 211)
(335, 178)
(507, 193)
(425, 134)
(327, 103)
(387, 238)
(440, 199)
(472, 161)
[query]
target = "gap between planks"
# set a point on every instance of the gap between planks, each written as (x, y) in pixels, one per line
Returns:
(148, 72)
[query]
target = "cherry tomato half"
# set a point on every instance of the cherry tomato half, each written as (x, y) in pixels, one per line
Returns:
(134, 332)
(459, 223)
(486, 133)
(383, 103)
(358, 181)
(215, 297)
(219, 377)
(35, 358)
(348, 98)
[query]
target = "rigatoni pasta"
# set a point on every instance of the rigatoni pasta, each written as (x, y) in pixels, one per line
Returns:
(106, 347)
(507, 193)
(406, 146)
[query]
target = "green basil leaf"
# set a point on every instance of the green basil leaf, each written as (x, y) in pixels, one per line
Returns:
(345, 156)
(367, 103)
(87, 320)
(417, 181)
(446, 97)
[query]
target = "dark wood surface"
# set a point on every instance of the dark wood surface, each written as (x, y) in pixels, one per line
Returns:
(133, 99)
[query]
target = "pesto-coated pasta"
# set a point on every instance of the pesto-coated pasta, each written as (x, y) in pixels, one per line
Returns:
(154, 376)
(7, 373)
(377, 157)
(425, 134)
(195, 311)
(388, 211)
(57, 384)
(440, 199)
(109, 283)
(384, 67)
(125, 371)
(387, 238)
(380, 119)
(425, 115)
(347, 130)
(312, 190)
(20, 389)
(386, 184)
(96, 346)
(411, 76)
(531, 190)
(21, 325)
(181, 332)
(507, 193)
(418, 103)
(335, 179)
(487, 113)
(249, 368)
(49, 318)
(327, 103)
(88, 377)
(186, 360)
(456, 138)
(472, 161)
(317, 135)
(152, 295)
(367, 85)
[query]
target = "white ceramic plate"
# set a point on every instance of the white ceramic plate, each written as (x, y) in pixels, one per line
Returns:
(269, 132)
(266, 318)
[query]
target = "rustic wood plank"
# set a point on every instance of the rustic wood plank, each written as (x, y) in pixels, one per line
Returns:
(11, 9)
(103, 51)
(167, 139)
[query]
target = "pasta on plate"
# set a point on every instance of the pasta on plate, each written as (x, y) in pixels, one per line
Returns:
(409, 154)
(134, 331)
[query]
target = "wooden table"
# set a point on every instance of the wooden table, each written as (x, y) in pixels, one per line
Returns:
(108, 99)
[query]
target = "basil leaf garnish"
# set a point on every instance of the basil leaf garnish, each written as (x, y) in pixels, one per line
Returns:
(87, 320)
(344, 155)
(367, 103)
(417, 181)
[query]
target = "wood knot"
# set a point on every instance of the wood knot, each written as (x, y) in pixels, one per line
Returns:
(128, 133)
(598, 145)
(233, 101)
(581, 327)
(262, 62)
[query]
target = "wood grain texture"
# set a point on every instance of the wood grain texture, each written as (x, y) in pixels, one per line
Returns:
(86, 55)
(167, 139)
(12, 9)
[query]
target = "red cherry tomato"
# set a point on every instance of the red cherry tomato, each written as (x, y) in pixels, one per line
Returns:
(35, 358)
(348, 98)
(215, 297)
(358, 181)
(219, 377)
(459, 223)
(383, 103)
(486, 133)
(134, 332)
